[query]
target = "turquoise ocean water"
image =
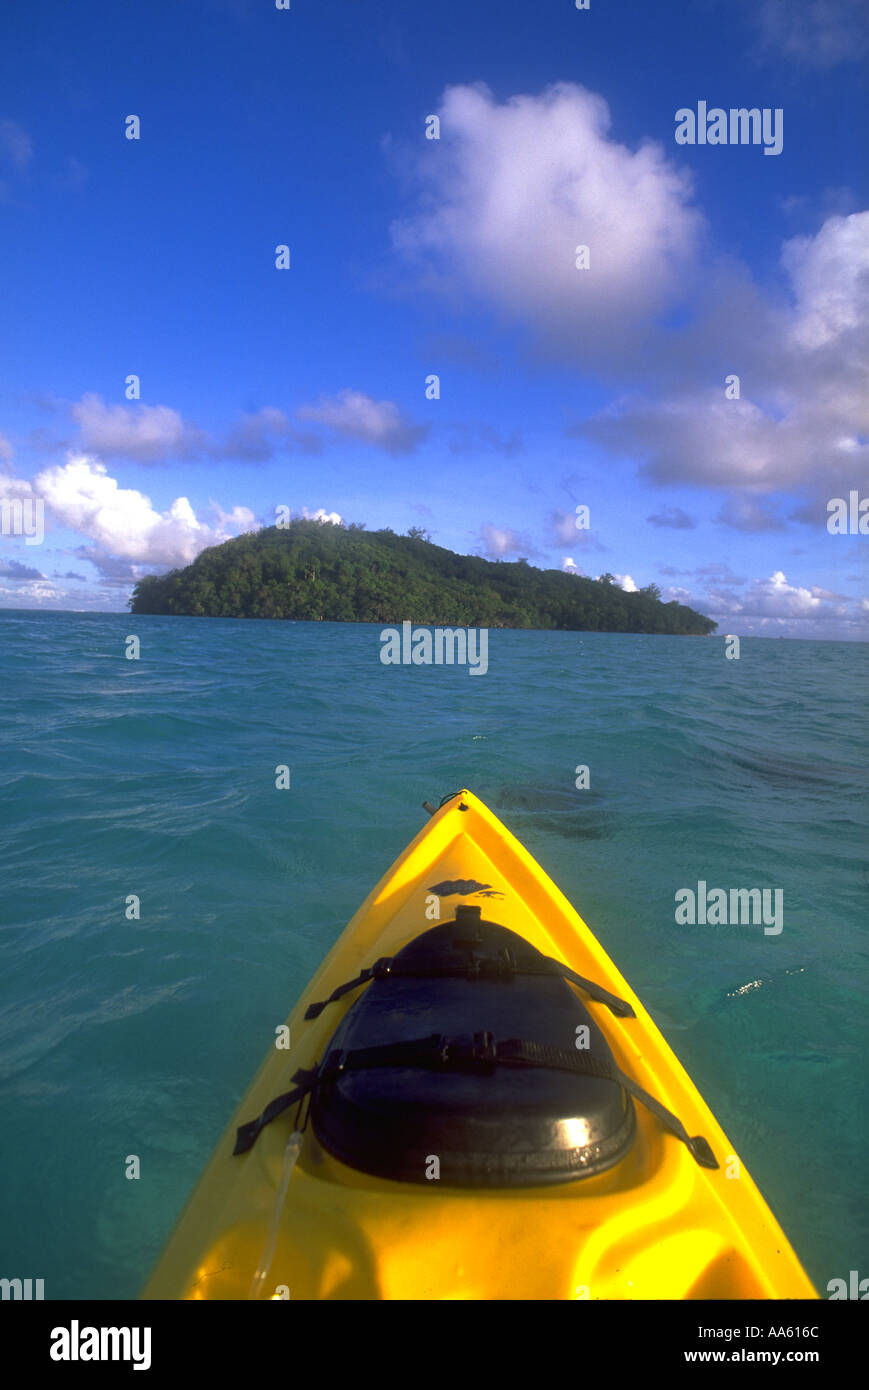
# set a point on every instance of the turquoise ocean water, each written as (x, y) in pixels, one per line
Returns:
(156, 777)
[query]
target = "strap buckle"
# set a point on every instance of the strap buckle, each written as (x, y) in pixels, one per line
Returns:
(478, 1050)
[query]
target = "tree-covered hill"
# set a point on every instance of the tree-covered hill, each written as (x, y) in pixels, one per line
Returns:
(315, 571)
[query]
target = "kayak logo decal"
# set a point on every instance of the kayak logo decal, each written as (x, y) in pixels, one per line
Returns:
(464, 887)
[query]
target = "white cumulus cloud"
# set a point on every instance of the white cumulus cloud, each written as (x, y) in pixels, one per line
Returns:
(38, 590)
(830, 277)
(819, 33)
(775, 606)
(12, 488)
(517, 186)
(806, 432)
(146, 433)
(239, 519)
(776, 598)
(122, 522)
(152, 434)
(499, 541)
(358, 416)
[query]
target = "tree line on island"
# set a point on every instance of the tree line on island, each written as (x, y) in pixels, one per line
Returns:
(315, 571)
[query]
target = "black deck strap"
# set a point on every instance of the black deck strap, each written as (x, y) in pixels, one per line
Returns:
(515, 1051)
(480, 1052)
(247, 1135)
(378, 971)
(620, 1007)
(388, 967)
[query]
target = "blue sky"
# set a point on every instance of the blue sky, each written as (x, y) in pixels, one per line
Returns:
(559, 386)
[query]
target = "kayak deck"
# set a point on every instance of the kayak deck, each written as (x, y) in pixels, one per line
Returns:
(656, 1225)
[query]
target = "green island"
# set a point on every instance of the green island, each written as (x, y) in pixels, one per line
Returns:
(313, 571)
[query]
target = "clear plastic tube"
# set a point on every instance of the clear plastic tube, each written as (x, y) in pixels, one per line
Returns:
(291, 1154)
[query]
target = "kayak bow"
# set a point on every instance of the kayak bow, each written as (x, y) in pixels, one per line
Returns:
(474, 1105)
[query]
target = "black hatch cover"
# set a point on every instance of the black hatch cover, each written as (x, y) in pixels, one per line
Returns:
(502, 1127)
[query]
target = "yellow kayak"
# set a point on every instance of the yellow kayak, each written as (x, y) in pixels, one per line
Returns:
(470, 1102)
